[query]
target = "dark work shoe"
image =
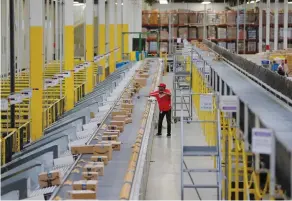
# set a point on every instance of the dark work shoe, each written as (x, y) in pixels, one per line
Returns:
(168, 135)
(158, 134)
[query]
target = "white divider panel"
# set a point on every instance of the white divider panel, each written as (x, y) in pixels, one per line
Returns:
(66, 160)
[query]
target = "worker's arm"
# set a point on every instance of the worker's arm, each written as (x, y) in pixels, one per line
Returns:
(167, 92)
(154, 94)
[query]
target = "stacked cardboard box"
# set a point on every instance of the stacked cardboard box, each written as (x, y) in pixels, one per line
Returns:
(145, 17)
(52, 178)
(183, 32)
(193, 17)
(174, 15)
(222, 33)
(164, 34)
(82, 195)
(192, 32)
(231, 32)
(154, 17)
(163, 18)
(183, 16)
(212, 32)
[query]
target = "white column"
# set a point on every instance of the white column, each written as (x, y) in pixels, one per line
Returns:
(51, 33)
(119, 20)
(285, 31)
(139, 24)
(131, 17)
(260, 27)
(268, 10)
(101, 11)
(125, 11)
(276, 25)
(26, 37)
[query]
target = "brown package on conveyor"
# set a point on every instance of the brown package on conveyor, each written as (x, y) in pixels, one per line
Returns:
(52, 178)
(82, 149)
(103, 150)
(82, 195)
(90, 175)
(85, 185)
(97, 158)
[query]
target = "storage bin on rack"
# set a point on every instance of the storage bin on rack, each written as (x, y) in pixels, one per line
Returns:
(164, 34)
(163, 47)
(231, 32)
(211, 32)
(145, 17)
(200, 32)
(183, 17)
(192, 32)
(222, 33)
(231, 17)
(231, 47)
(164, 18)
(222, 44)
(174, 32)
(251, 46)
(183, 32)
(154, 17)
(193, 18)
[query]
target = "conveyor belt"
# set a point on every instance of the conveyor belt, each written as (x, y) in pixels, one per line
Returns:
(110, 184)
(271, 112)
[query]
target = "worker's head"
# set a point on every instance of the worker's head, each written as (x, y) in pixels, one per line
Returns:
(161, 87)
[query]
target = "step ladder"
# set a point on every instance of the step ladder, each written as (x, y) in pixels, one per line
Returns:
(202, 151)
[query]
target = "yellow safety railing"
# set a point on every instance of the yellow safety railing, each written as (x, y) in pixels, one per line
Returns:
(79, 92)
(52, 112)
(243, 179)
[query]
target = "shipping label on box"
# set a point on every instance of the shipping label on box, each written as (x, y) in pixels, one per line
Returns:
(116, 145)
(127, 101)
(128, 120)
(98, 167)
(90, 175)
(100, 158)
(82, 149)
(85, 185)
(82, 195)
(110, 138)
(103, 150)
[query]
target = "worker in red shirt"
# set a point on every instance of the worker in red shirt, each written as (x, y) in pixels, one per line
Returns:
(163, 97)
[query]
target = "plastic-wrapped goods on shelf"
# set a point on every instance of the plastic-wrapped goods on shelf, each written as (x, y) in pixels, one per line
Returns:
(200, 32)
(231, 47)
(154, 17)
(152, 36)
(231, 32)
(212, 32)
(183, 17)
(241, 34)
(264, 18)
(289, 33)
(222, 33)
(241, 17)
(211, 18)
(163, 18)
(193, 18)
(231, 17)
(222, 44)
(200, 18)
(144, 29)
(240, 46)
(222, 17)
(164, 34)
(174, 32)
(145, 17)
(163, 47)
(252, 18)
(251, 33)
(251, 46)
(183, 32)
(192, 32)
(174, 17)
(153, 47)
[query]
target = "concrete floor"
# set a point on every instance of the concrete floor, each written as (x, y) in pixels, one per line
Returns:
(165, 169)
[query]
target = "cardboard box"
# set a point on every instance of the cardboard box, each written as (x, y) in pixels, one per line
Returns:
(115, 127)
(82, 195)
(144, 75)
(128, 110)
(128, 101)
(142, 81)
(110, 138)
(119, 118)
(118, 123)
(103, 149)
(96, 167)
(127, 106)
(103, 159)
(119, 113)
(82, 149)
(112, 132)
(129, 120)
(90, 175)
(52, 178)
(85, 185)
(116, 145)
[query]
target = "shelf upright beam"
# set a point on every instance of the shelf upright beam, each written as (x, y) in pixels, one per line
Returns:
(276, 25)
(260, 26)
(101, 36)
(237, 28)
(285, 31)
(12, 61)
(119, 30)
(268, 11)
(69, 54)
(125, 27)
(36, 10)
(89, 41)
(112, 33)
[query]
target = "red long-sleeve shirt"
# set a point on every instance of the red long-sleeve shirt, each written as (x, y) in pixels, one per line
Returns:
(164, 100)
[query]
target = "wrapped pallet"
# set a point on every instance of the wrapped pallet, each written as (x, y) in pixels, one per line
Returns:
(154, 17)
(193, 18)
(163, 47)
(221, 17)
(145, 17)
(163, 18)
(222, 44)
(144, 30)
(231, 32)
(240, 46)
(183, 17)
(231, 17)
(211, 18)
(251, 46)
(153, 47)
(193, 32)
(212, 32)
(174, 17)
(222, 33)
(164, 34)
(231, 47)
(152, 36)
(174, 32)
(183, 32)
(252, 17)
(200, 18)
(241, 34)
(200, 32)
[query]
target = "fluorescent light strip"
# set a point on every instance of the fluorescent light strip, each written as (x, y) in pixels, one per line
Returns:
(163, 1)
(290, 2)
(206, 2)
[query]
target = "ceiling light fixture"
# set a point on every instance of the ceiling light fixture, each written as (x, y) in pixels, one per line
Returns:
(290, 2)
(258, 0)
(122, 4)
(251, 1)
(163, 2)
(116, 3)
(76, 2)
(206, 2)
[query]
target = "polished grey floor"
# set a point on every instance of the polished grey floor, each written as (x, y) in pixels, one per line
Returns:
(165, 169)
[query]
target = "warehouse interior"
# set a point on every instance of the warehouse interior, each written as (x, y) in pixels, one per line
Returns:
(78, 120)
